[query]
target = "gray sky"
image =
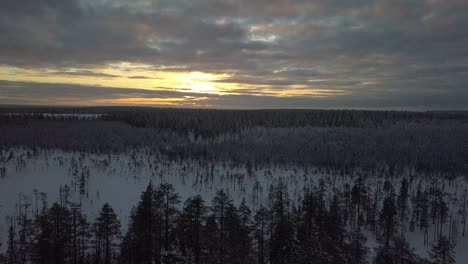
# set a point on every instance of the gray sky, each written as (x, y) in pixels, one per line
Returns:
(391, 54)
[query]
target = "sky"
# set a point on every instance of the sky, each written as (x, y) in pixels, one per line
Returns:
(236, 54)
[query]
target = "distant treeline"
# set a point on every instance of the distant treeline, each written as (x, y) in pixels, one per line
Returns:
(430, 142)
(212, 123)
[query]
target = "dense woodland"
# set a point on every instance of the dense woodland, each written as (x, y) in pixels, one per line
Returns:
(400, 168)
(325, 226)
(430, 142)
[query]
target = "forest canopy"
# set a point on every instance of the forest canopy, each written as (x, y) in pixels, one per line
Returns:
(429, 142)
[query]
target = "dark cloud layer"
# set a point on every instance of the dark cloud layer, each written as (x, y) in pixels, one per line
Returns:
(65, 94)
(385, 53)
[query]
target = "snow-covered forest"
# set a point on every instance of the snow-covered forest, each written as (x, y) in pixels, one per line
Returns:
(142, 185)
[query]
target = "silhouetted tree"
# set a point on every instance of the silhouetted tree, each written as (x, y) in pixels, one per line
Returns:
(12, 256)
(108, 232)
(442, 252)
(358, 251)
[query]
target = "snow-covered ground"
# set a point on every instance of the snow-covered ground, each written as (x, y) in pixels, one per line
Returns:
(120, 179)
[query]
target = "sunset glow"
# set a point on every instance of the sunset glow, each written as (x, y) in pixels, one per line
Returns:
(236, 54)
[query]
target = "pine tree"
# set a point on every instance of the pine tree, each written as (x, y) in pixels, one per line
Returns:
(403, 253)
(12, 250)
(464, 212)
(424, 214)
(279, 199)
(220, 204)
(2, 257)
(24, 237)
(281, 244)
(359, 197)
(334, 224)
(282, 249)
(174, 256)
(210, 241)
(108, 231)
(358, 251)
(402, 204)
(42, 236)
(80, 234)
(308, 214)
(244, 233)
(398, 251)
(128, 248)
(191, 226)
(83, 233)
(169, 201)
(442, 252)
(332, 239)
(54, 236)
(387, 218)
(142, 241)
(260, 233)
(237, 239)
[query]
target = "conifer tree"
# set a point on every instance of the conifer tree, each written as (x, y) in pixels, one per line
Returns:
(358, 251)
(281, 244)
(359, 196)
(169, 202)
(142, 241)
(54, 236)
(260, 233)
(442, 252)
(398, 251)
(108, 231)
(334, 224)
(210, 241)
(192, 220)
(2, 257)
(24, 236)
(402, 204)
(387, 218)
(12, 247)
(220, 204)
(244, 233)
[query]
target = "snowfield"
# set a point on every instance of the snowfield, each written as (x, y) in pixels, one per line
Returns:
(119, 180)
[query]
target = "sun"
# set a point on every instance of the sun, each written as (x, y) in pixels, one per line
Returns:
(199, 82)
(203, 87)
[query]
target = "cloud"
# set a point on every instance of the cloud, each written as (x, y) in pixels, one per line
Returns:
(87, 73)
(394, 50)
(64, 94)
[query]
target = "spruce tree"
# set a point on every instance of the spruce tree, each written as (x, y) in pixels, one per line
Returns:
(24, 235)
(358, 251)
(281, 244)
(220, 204)
(442, 252)
(260, 233)
(244, 233)
(12, 247)
(402, 204)
(53, 239)
(169, 202)
(108, 231)
(142, 244)
(83, 238)
(398, 251)
(191, 226)
(387, 218)
(359, 197)
(210, 241)
(334, 224)
(2, 257)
